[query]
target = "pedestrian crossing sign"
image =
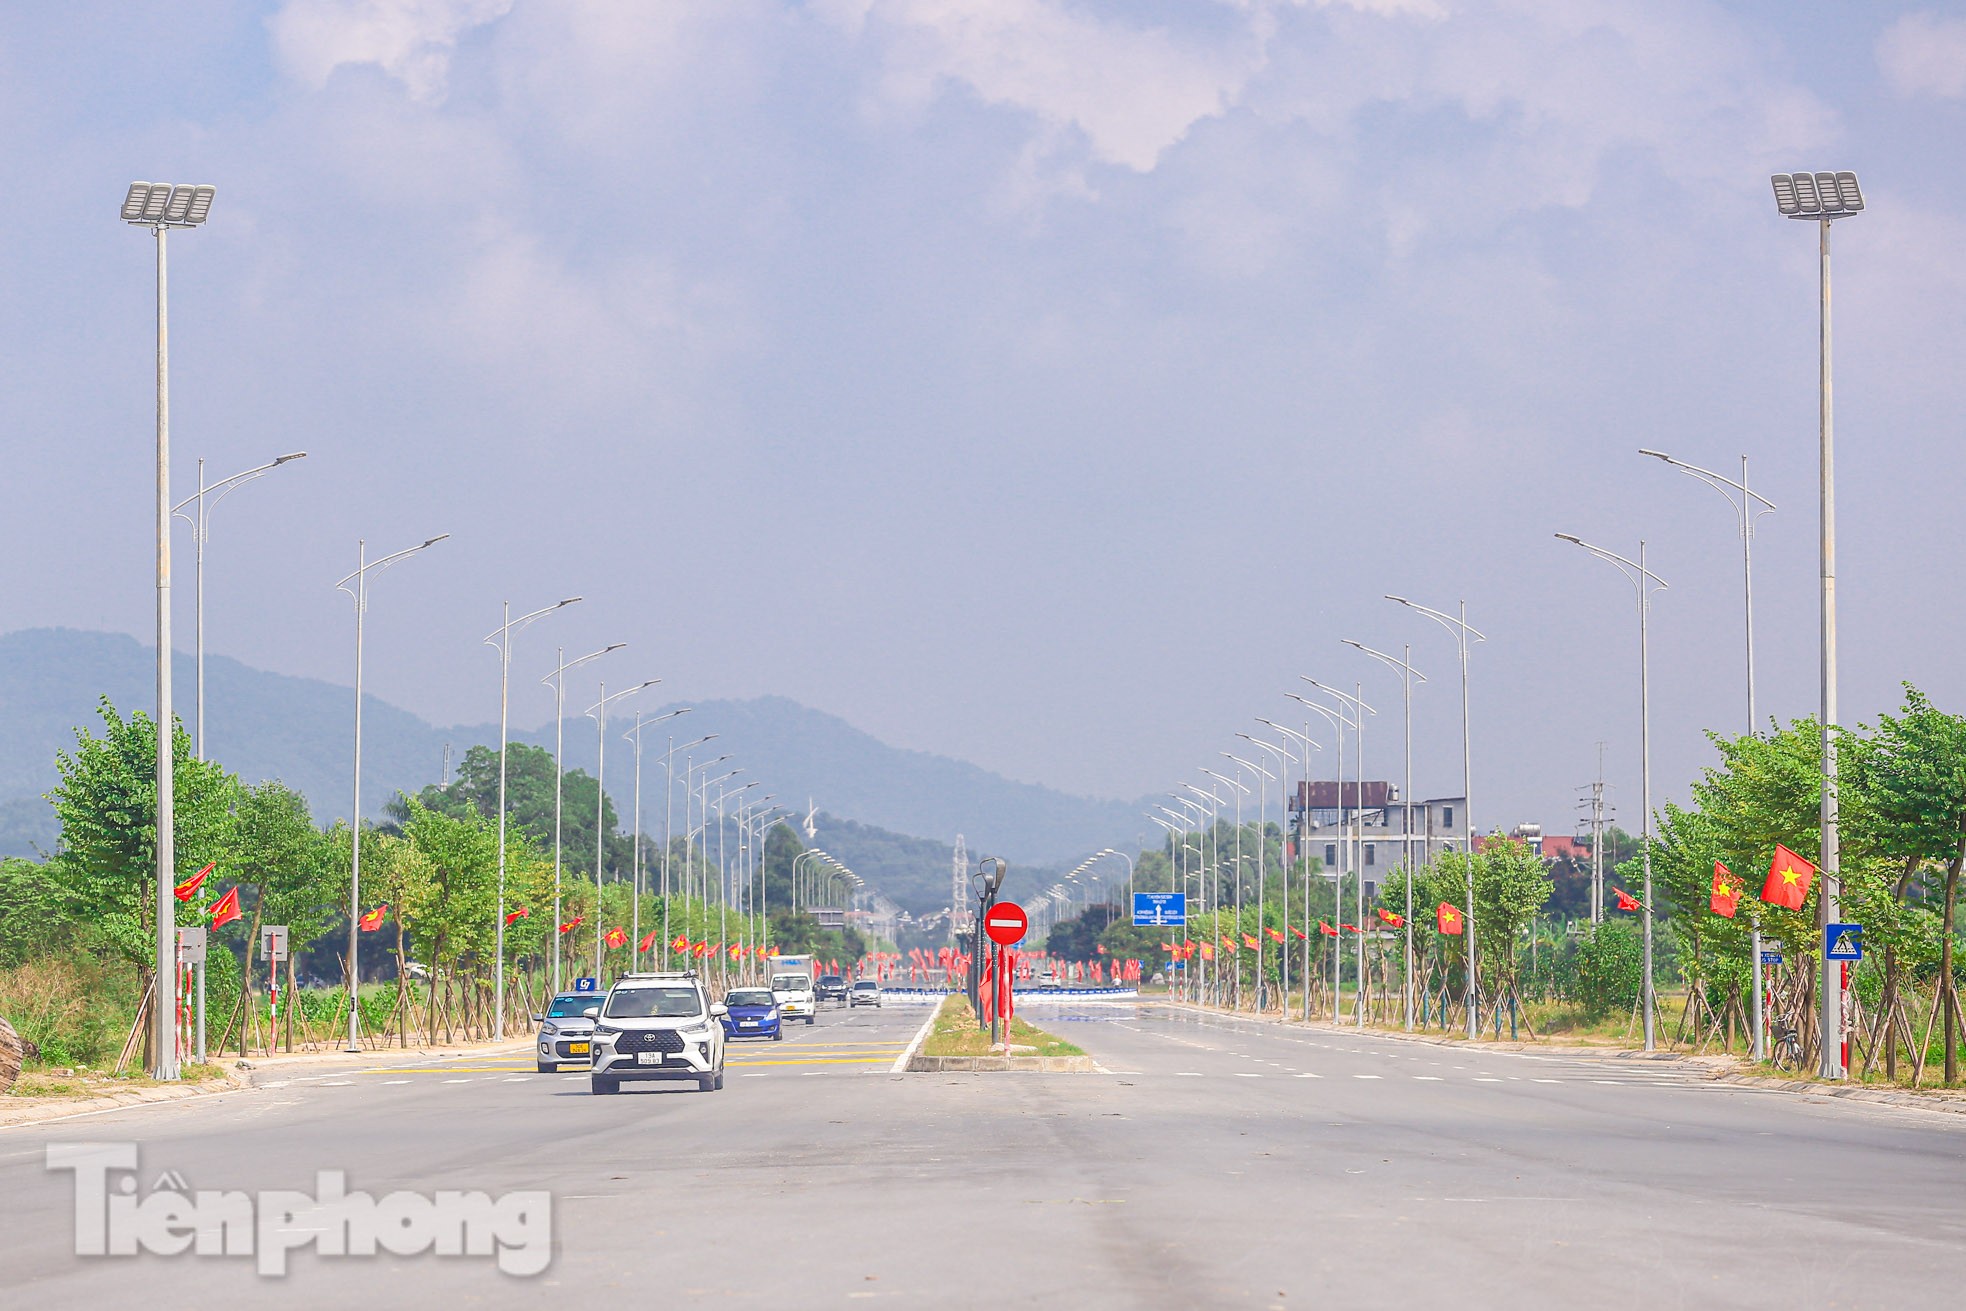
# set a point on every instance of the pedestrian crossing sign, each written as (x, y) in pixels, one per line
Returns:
(1843, 942)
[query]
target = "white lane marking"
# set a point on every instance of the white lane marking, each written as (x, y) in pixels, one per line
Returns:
(457, 1081)
(519, 1079)
(339, 1083)
(1365, 1076)
(1247, 1074)
(1546, 1081)
(387, 1082)
(1187, 1074)
(1428, 1078)
(1611, 1083)
(1310, 1076)
(1481, 1080)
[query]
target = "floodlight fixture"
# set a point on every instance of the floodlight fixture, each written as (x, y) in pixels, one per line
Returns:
(162, 204)
(1817, 196)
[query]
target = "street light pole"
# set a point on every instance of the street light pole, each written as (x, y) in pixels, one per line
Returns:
(160, 207)
(1404, 663)
(500, 640)
(635, 912)
(558, 678)
(207, 499)
(1822, 198)
(360, 593)
(1462, 632)
(599, 712)
(1642, 579)
(1359, 711)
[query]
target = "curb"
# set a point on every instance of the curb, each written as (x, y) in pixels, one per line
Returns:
(1000, 1064)
(63, 1108)
(905, 1061)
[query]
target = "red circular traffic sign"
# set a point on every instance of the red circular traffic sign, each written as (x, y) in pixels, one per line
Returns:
(1006, 923)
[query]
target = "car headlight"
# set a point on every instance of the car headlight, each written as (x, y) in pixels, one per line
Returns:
(547, 1030)
(606, 1034)
(772, 1014)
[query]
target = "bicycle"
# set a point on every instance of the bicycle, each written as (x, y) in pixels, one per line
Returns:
(1785, 1047)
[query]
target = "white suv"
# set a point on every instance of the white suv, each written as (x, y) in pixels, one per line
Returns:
(658, 1026)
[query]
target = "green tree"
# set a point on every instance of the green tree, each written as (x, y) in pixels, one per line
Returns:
(106, 801)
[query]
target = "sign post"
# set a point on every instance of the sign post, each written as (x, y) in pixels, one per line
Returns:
(1005, 923)
(191, 953)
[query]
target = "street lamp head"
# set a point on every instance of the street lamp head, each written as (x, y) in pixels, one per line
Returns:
(1657, 455)
(432, 541)
(1817, 196)
(297, 455)
(1571, 538)
(569, 601)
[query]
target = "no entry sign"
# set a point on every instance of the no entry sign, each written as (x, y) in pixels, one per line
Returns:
(1006, 923)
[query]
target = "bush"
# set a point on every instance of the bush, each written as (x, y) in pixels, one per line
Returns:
(1610, 968)
(74, 1011)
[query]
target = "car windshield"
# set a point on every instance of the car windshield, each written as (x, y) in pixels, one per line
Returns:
(576, 1004)
(831, 979)
(790, 983)
(866, 985)
(671, 1003)
(750, 997)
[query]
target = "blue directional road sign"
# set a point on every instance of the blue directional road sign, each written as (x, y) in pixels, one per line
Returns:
(1159, 909)
(584, 984)
(1771, 958)
(1843, 942)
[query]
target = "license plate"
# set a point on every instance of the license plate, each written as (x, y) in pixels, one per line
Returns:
(576, 1049)
(747, 1024)
(648, 1058)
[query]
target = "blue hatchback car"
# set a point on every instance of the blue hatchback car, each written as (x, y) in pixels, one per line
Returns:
(752, 1013)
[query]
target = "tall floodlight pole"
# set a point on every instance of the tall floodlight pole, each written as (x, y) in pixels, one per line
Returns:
(558, 680)
(500, 640)
(1644, 582)
(206, 499)
(1408, 673)
(1822, 198)
(635, 912)
(1458, 626)
(360, 592)
(160, 206)
(598, 712)
(1355, 702)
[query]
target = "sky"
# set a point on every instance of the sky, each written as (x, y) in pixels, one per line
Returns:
(1045, 383)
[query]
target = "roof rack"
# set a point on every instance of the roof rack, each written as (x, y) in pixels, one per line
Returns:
(658, 974)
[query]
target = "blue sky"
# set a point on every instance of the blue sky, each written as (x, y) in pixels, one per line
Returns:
(1046, 384)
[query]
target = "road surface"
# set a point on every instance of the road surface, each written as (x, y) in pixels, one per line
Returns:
(1216, 1163)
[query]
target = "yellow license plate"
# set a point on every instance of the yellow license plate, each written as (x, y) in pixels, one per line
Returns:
(576, 1049)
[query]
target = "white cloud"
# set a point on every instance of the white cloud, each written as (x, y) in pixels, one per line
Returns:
(1923, 54)
(411, 40)
(1131, 91)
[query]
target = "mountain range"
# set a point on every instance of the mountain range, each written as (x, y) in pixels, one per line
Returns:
(267, 725)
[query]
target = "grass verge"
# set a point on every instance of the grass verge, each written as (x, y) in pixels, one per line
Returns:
(956, 1034)
(96, 1083)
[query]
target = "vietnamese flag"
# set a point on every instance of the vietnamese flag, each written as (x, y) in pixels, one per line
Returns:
(1326, 929)
(1228, 943)
(1788, 879)
(1626, 901)
(1276, 935)
(1350, 928)
(1726, 898)
(617, 938)
(1301, 935)
(513, 917)
(648, 940)
(573, 924)
(1387, 917)
(225, 909)
(188, 889)
(372, 921)
(1249, 941)
(701, 949)
(681, 943)
(1449, 919)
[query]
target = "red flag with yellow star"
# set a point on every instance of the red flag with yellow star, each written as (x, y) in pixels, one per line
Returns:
(1448, 917)
(1626, 901)
(1726, 898)
(1788, 879)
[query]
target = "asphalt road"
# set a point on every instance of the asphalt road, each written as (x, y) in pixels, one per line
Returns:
(1217, 1163)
